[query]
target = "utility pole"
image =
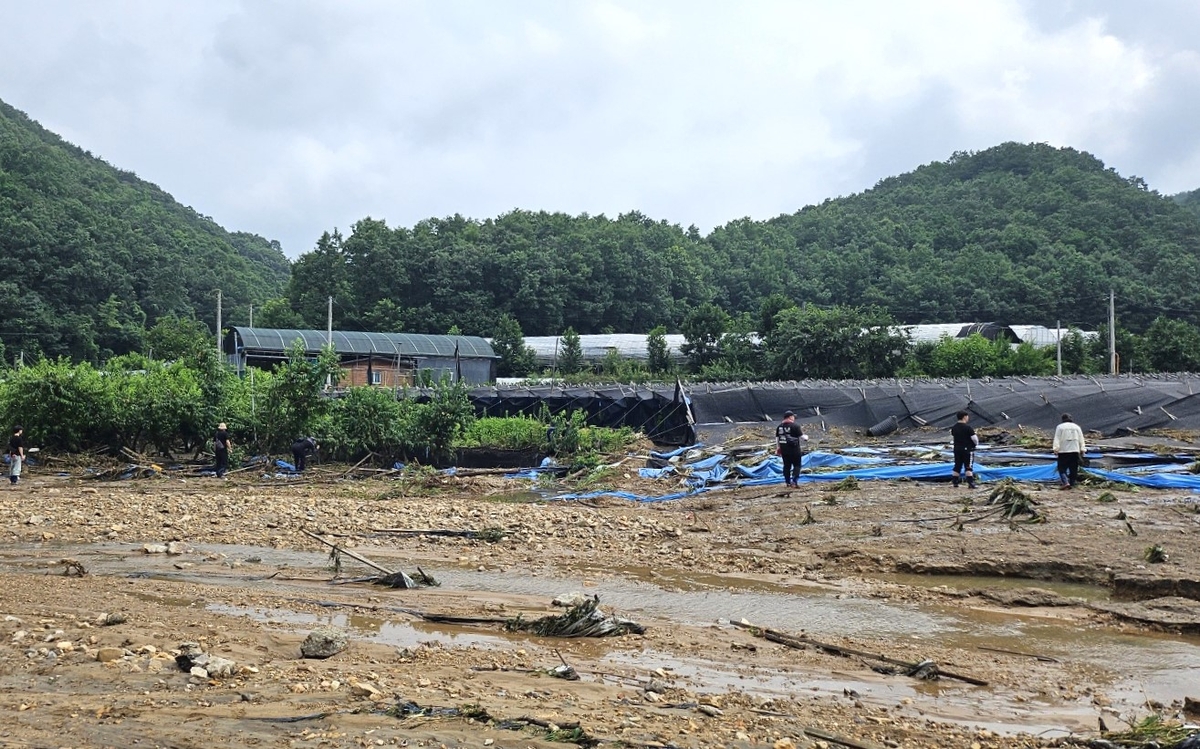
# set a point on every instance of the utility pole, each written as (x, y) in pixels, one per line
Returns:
(1058, 333)
(329, 338)
(1112, 332)
(252, 315)
(218, 323)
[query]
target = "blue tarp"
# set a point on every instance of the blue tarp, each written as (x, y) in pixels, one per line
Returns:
(769, 471)
(677, 451)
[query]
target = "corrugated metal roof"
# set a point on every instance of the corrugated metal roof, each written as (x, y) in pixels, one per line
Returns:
(356, 342)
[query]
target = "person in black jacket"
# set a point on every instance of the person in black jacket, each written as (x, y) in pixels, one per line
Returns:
(221, 445)
(788, 437)
(965, 442)
(301, 450)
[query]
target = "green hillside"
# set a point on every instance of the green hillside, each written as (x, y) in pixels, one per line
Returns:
(1190, 201)
(1016, 233)
(93, 255)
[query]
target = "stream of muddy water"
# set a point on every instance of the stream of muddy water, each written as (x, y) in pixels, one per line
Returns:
(1141, 666)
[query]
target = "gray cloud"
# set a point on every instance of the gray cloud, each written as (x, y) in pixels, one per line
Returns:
(291, 118)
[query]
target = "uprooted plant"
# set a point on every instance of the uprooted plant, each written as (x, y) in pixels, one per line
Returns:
(582, 620)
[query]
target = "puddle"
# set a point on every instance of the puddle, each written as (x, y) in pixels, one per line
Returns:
(397, 633)
(1149, 666)
(975, 582)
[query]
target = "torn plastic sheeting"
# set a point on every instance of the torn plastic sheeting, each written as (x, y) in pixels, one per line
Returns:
(285, 465)
(773, 466)
(677, 451)
(1161, 480)
(709, 475)
(655, 473)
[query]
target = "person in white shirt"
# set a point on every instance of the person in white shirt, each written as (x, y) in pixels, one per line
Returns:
(1069, 447)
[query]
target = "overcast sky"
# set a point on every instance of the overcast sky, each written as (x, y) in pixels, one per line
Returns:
(291, 117)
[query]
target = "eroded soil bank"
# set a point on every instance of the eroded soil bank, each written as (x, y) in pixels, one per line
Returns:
(1065, 620)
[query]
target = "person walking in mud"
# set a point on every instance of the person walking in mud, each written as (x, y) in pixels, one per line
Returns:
(302, 449)
(965, 442)
(221, 447)
(16, 455)
(789, 436)
(1069, 448)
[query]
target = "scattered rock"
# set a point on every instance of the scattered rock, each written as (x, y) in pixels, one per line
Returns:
(324, 643)
(155, 548)
(365, 689)
(177, 547)
(107, 655)
(198, 672)
(572, 599)
(35, 520)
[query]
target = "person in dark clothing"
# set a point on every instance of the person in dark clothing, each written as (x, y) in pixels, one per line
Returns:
(965, 442)
(788, 437)
(221, 446)
(301, 450)
(16, 454)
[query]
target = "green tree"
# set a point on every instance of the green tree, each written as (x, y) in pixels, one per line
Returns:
(278, 313)
(658, 353)
(174, 337)
(835, 343)
(443, 419)
(1173, 345)
(702, 330)
(516, 359)
(295, 399)
(570, 355)
(769, 308)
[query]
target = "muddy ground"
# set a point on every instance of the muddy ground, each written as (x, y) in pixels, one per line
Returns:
(1064, 620)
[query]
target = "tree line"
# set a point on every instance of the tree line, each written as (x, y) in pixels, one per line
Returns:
(1016, 233)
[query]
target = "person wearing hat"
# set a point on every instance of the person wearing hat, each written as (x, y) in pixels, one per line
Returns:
(221, 445)
(788, 437)
(16, 454)
(301, 450)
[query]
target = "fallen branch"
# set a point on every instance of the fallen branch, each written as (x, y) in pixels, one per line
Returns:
(347, 552)
(802, 641)
(1043, 658)
(817, 733)
(359, 463)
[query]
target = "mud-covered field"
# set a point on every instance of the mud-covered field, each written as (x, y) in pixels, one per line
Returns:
(1064, 622)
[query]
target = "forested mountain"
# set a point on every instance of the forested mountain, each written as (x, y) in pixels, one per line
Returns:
(1018, 233)
(1189, 200)
(93, 255)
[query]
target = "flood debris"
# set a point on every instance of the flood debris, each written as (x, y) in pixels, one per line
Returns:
(1155, 554)
(73, 567)
(1009, 497)
(583, 620)
(490, 534)
(387, 578)
(1155, 731)
(925, 669)
(566, 732)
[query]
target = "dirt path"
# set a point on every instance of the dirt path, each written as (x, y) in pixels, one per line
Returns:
(248, 586)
